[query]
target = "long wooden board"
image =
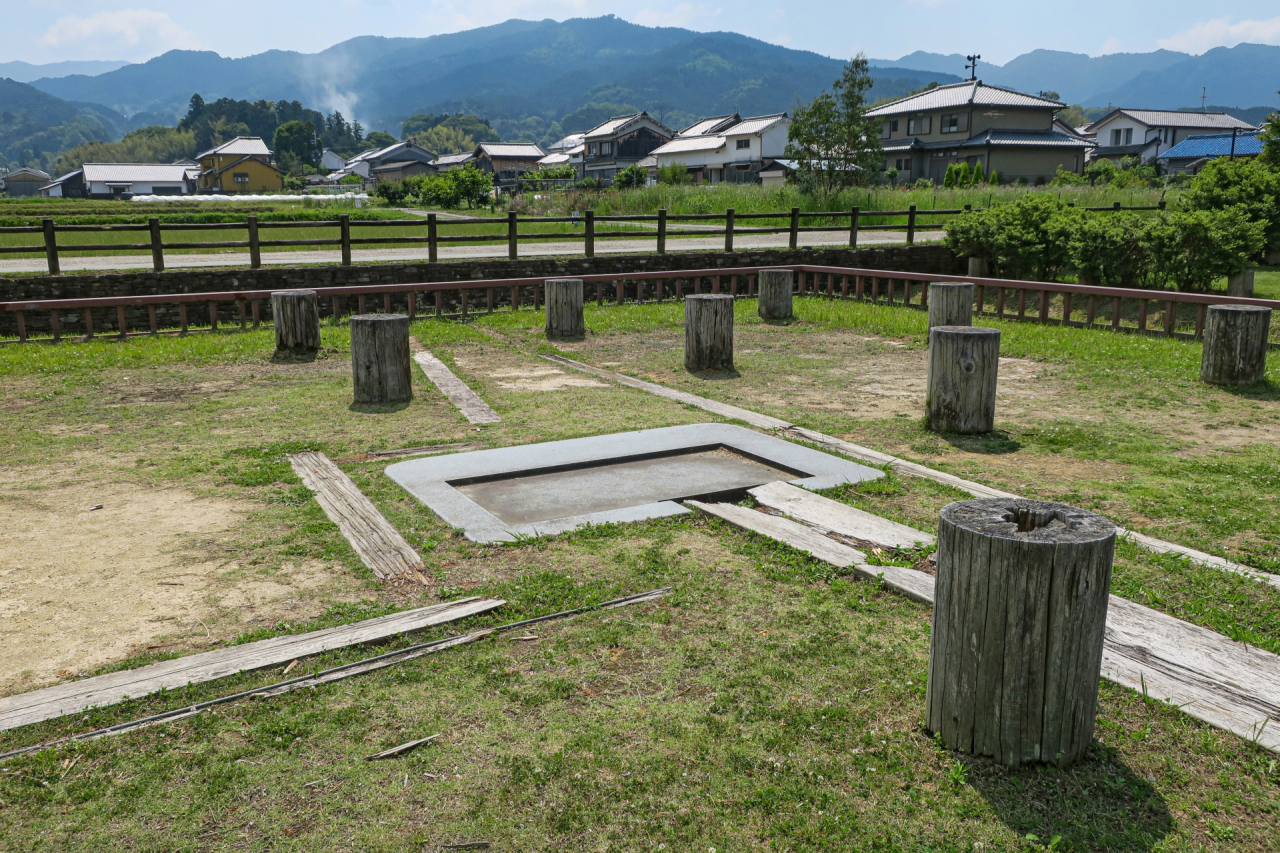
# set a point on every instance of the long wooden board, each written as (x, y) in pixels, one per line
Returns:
(379, 545)
(830, 516)
(467, 401)
(72, 697)
(1215, 679)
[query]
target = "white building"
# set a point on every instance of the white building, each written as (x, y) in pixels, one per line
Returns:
(125, 180)
(1149, 133)
(728, 149)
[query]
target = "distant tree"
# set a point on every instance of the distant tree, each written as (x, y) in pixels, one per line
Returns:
(297, 140)
(962, 174)
(1050, 95)
(674, 174)
(1270, 137)
(1249, 185)
(832, 141)
(445, 140)
(949, 179)
(471, 185)
(380, 139)
(632, 177)
(155, 144)
(978, 177)
(993, 179)
(891, 175)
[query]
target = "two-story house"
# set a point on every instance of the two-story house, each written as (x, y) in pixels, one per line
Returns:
(620, 142)
(972, 122)
(1148, 134)
(727, 149)
(242, 165)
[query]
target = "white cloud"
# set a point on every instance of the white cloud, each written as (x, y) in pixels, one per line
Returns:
(1220, 32)
(106, 31)
(1111, 45)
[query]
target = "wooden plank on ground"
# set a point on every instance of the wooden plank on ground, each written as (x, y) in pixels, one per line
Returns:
(379, 545)
(830, 516)
(1211, 677)
(467, 401)
(99, 691)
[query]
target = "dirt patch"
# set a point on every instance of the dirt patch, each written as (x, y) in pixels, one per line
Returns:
(82, 587)
(514, 372)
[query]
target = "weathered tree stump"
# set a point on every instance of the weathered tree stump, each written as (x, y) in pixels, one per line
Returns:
(708, 332)
(296, 316)
(978, 267)
(1240, 284)
(950, 304)
(963, 365)
(774, 298)
(564, 309)
(380, 365)
(1235, 344)
(1019, 616)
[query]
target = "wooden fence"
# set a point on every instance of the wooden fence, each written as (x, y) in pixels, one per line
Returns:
(348, 232)
(1119, 309)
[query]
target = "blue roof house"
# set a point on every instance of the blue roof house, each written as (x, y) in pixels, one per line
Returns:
(1192, 154)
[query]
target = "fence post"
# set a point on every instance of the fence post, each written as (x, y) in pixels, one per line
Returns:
(511, 235)
(1116, 207)
(795, 227)
(255, 249)
(728, 230)
(911, 225)
(344, 226)
(51, 247)
(662, 231)
(589, 248)
(157, 248)
(431, 237)
(853, 227)
(1161, 205)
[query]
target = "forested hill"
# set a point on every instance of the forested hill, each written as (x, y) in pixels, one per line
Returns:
(35, 126)
(525, 76)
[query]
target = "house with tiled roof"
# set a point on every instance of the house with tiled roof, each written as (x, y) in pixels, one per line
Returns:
(727, 149)
(507, 160)
(1195, 152)
(240, 165)
(979, 124)
(620, 142)
(1147, 134)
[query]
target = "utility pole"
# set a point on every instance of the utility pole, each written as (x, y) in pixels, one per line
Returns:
(1204, 96)
(972, 67)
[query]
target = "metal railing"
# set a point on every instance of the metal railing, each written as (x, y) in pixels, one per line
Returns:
(1128, 310)
(348, 231)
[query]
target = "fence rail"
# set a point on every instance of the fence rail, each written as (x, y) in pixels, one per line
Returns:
(725, 224)
(1127, 310)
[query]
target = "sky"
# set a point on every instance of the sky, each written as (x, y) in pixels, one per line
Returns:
(41, 31)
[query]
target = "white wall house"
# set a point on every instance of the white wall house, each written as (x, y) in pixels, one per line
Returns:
(120, 180)
(1149, 133)
(733, 152)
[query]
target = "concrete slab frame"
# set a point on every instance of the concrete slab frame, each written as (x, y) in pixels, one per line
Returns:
(433, 480)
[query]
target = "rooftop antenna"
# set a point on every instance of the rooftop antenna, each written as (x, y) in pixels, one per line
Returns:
(972, 67)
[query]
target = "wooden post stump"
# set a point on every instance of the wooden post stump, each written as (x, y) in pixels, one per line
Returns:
(963, 364)
(977, 267)
(774, 301)
(950, 304)
(380, 365)
(1235, 344)
(296, 315)
(708, 332)
(564, 309)
(1019, 616)
(1240, 284)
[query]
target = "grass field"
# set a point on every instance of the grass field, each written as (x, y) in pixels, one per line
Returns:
(769, 703)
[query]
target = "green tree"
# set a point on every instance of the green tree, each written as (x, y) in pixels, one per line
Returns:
(993, 179)
(445, 140)
(632, 177)
(154, 144)
(380, 139)
(674, 174)
(297, 140)
(962, 175)
(1195, 248)
(832, 141)
(1249, 184)
(978, 178)
(949, 179)
(1270, 137)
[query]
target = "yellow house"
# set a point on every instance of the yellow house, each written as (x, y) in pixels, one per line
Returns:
(242, 165)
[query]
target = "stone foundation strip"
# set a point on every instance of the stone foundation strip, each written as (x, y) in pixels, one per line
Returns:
(463, 398)
(378, 544)
(1212, 678)
(99, 691)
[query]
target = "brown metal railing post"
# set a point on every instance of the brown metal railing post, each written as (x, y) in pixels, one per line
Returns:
(431, 240)
(1200, 310)
(911, 225)
(22, 326)
(1142, 315)
(439, 303)
(1044, 306)
(795, 227)
(151, 319)
(728, 230)
(55, 323)
(51, 247)
(255, 248)
(242, 314)
(386, 303)
(1066, 309)
(662, 231)
(1093, 311)
(515, 298)
(511, 235)
(1170, 316)
(1115, 313)
(589, 238)
(213, 316)
(412, 304)
(88, 322)
(853, 227)
(257, 312)
(344, 229)
(120, 322)
(157, 248)
(182, 317)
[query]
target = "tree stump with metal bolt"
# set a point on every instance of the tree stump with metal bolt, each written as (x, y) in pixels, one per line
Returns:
(963, 365)
(564, 309)
(774, 294)
(708, 332)
(1019, 617)
(1235, 344)
(380, 365)
(950, 304)
(296, 316)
